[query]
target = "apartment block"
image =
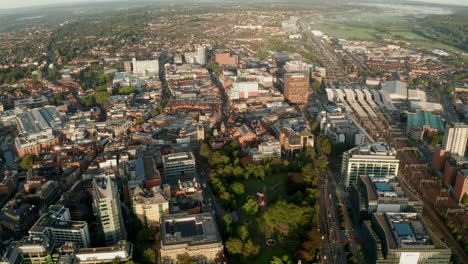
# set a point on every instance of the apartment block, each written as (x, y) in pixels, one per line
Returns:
(456, 138)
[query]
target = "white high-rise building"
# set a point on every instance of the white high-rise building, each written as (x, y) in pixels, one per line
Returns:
(201, 58)
(57, 225)
(107, 207)
(371, 159)
(456, 138)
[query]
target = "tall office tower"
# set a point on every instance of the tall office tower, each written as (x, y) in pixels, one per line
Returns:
(107, 207)
(57, 225)
(296, 88)
(371, 159)
(201, 55)
(456, 138)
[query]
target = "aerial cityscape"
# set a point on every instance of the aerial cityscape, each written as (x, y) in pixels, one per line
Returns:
(199, 132)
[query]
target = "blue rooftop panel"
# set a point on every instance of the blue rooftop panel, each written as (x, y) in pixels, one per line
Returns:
(383, 187)
(403, 229)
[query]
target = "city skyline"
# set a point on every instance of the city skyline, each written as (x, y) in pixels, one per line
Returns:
(6, 4)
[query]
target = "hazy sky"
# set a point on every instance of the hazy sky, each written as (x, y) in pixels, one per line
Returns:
(5, 4)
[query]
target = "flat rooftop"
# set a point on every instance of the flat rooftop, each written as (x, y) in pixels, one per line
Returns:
(181, 156)
(190, 229)
(382, 187)
(405, 231)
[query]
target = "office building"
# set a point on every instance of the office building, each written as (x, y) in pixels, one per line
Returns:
(57, 225)
(296, 88)
(145, 66)
(196, 235)
(107, 207)
(17, 217)
(29, 250)
(179, 166)
(396, 238)
(456, 138)
(149, 206)
(69, 253)
(371, 159)
(381, 194)
(270, 149)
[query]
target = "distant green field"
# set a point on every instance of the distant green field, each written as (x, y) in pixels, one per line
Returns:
(373, 27)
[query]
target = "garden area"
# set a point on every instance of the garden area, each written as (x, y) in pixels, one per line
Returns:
(272, 206)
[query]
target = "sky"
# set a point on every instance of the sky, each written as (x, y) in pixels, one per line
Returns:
(6, 4)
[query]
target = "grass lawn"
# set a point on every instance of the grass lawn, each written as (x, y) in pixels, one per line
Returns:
(267, 253)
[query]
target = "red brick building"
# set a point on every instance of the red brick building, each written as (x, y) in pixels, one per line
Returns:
(296, 88)
(461, 185)
(439, 158)
(226, 59)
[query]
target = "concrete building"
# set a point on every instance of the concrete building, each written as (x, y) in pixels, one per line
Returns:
(296, 88)
(371, 159)
(197, 57)
(17, 217)
(243, 90)
(456, 138)
(460, 189)
(57, 225)
(31, 102)
(106, 205)
(69, 253)
(201, 55)
(381, 194)
(298, 66)
(145, 66)
(270, 149)
(150, 206)
(339, 128)
(29, 250)
(196, 235)
(179, 166)
(396, 238)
